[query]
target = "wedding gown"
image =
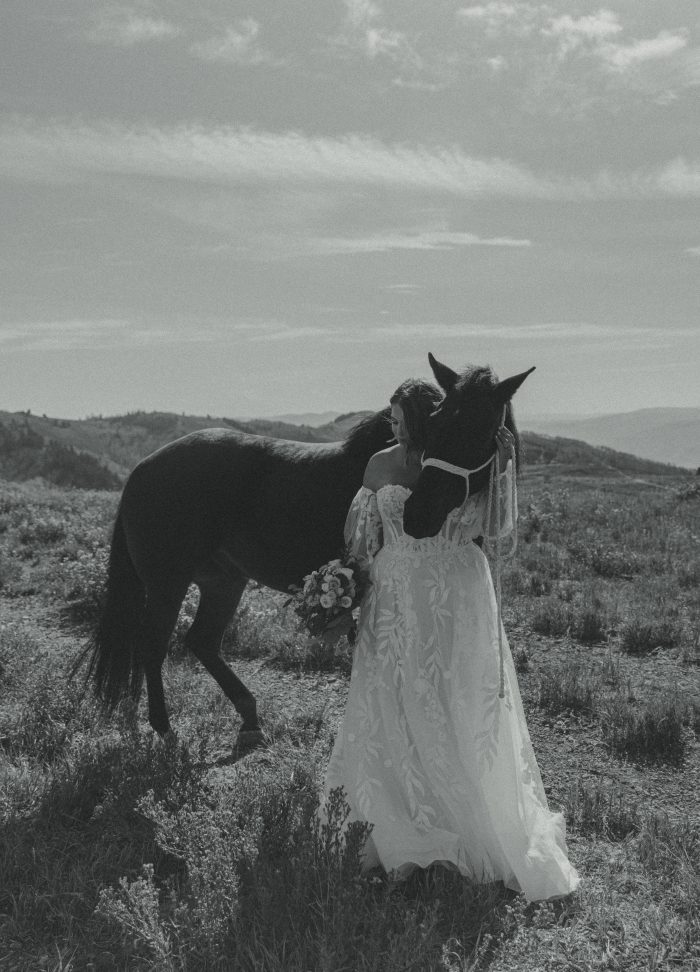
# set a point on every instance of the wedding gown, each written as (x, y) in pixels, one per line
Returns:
(427, 752)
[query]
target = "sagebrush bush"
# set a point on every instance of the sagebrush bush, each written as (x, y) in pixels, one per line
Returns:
(43, 530)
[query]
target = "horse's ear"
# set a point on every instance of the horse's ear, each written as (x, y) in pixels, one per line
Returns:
(445, 377)
(504, 390)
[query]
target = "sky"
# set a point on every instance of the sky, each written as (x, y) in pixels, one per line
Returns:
(253, 208)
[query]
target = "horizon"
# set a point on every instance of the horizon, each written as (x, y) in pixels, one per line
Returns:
(226, 209)
(287, 416)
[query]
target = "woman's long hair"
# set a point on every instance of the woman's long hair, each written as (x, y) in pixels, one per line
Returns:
(417, 398)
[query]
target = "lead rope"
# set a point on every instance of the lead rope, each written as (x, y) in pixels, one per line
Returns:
(493, 549)
(493, 543)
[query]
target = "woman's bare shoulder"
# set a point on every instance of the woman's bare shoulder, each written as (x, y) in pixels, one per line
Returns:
(381, 467)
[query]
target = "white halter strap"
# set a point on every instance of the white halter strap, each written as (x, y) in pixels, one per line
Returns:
(457, 470)
(460, 470)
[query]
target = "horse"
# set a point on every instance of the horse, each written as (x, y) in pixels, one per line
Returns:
(461, 436)
(217, 508)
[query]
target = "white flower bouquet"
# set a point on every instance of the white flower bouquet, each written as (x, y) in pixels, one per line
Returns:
(328, 599)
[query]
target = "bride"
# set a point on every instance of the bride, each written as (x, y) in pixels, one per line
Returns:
(427, 752)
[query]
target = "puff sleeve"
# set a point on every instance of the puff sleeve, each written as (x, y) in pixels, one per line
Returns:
(363, 527)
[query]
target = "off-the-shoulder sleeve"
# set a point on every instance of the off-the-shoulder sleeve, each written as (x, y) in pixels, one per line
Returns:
(504, 505)
(363, 527)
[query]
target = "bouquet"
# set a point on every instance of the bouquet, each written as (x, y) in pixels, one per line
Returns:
(327, 601)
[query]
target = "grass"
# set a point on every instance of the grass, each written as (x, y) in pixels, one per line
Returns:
(658, 730)
(571, 688)
(121, 851)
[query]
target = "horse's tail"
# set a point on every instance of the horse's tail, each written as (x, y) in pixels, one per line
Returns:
(116, 665)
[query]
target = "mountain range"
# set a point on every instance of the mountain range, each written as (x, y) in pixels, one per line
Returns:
(668, 435)
(99, 452)
(663, 434)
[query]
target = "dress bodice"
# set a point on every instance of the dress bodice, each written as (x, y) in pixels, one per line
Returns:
(461, 525)
(375, 520)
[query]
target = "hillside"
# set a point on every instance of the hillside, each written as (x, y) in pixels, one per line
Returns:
(663, 434)
(99, 452)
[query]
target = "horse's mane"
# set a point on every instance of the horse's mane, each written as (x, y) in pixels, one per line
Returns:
(476, 376)
(371, 430)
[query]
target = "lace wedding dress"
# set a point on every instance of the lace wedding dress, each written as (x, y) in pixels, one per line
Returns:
(427, 751)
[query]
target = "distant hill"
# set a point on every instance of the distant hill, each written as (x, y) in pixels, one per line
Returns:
(663, 434)
(312, 419)
(99, 452)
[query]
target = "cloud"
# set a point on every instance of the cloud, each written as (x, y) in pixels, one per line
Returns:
(124, 27)
(571, 33)
(363, 30)
(623, 56)
(62, 152)
(73, 152)
(237, 45)
(118, 333)
(565, 61)
(499, 17)
(555, 331)
(427, 240)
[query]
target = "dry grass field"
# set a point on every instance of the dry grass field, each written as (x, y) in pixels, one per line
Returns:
(119, 851)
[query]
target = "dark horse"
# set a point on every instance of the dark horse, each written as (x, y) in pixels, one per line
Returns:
(217, 508)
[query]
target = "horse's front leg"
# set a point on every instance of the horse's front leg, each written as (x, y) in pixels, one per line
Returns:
(220, 596)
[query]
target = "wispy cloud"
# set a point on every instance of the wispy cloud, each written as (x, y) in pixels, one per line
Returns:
(125, 333)
(566, 332)
(238, 44)
(427, 240)
(105, 333)
(67, 151)
(125, 27)
(72, 151)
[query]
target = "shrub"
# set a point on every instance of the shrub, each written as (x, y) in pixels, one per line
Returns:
(670, 850)
(599, 810)
(521, 660)
(590, 623)
(613, 561)
(570, 688)
(134, 908)
(654, 732)
(639, 637)
(313, 655)
(551, 617)
(81, 585)
(45, 530)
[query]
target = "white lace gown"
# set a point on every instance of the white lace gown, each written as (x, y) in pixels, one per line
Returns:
(427, 751)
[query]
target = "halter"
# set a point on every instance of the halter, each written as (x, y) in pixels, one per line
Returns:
(493, 542)
(457, 470)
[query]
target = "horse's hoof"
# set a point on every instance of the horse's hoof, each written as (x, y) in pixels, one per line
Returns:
(249, 739)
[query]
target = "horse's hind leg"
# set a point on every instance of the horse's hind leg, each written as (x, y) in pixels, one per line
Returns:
(161, 615)
(220, 595)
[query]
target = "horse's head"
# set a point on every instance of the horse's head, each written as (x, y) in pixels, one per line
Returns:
(461, 432)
